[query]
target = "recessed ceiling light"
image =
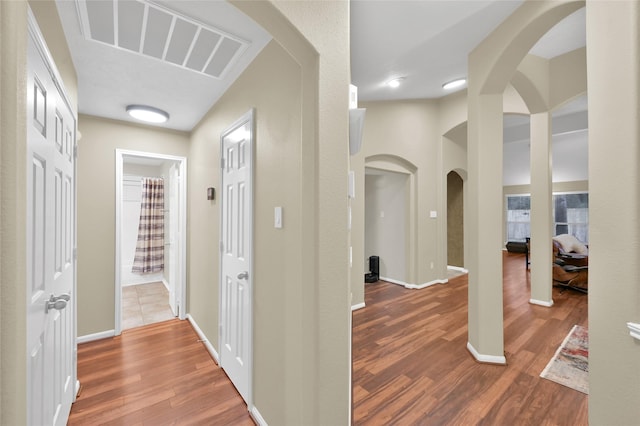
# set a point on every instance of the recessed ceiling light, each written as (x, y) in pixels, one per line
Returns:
(147, 113)
(395, 82)
(455, 83)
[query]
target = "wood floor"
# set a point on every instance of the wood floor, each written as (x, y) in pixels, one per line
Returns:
(411, 365)
(154, 375)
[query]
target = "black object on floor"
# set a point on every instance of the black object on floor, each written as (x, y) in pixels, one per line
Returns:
(374, 270)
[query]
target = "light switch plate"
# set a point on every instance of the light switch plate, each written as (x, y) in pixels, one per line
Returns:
(433, 214)
(277, 217)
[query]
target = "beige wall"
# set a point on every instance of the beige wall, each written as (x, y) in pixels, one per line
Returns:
(13, 373)
(404, 134)
(614, 219)
(96, 177)
(272, 86)
(299, 90)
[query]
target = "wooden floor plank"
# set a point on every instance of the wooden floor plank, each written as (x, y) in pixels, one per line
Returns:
(393, 342)
(158, 374)
(410, 365)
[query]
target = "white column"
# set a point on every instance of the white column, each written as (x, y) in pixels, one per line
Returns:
(541, 210)
(484, 223)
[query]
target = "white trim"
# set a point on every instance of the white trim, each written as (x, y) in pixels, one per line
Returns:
(43, 49)
(357, 306)
(203, 339)
(96, 336)
(414, 286)
(457, 269)
(491, 359)
(255, 414)
(425, 285)
(181, 291)
(546, 304)
(397, 282)
(165, 283)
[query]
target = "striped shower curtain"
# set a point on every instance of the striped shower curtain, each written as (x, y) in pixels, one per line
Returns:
(149, 255)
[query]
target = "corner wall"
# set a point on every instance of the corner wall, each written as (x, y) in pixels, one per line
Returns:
(298, 86)
(407, 131)
(96, 184)
(613, 55)
(271, 85)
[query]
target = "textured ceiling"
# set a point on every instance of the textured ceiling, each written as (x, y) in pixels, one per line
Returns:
(179, 56)
(182, 55)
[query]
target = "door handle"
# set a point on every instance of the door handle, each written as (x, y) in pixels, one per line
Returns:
(64, 296)
(243, 275)
(56, 302)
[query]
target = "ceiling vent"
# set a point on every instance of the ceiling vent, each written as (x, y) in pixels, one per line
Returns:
(152, 30)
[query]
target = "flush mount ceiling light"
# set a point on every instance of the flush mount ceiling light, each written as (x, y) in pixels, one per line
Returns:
(147, 113)
(395, 82)
(453, 84)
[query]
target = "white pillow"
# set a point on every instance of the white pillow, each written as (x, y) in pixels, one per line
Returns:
(569, 243)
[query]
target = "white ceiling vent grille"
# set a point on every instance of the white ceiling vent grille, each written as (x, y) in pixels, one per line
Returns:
(153, 30)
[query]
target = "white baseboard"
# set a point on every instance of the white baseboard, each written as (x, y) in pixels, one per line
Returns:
(425, 285)
(490, 359)
(413, 286)
(166, 284)
(457, 269)
(392, 281)
(96, 336)
(204, 339)
(357, 306)
(541, 303)
(255, 414)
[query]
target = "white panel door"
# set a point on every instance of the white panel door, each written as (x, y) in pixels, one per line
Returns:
(236, 251)
(50, 244)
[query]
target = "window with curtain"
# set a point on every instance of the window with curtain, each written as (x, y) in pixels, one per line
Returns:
(570, 213)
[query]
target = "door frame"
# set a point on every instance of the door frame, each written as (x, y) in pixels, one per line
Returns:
(181, 290)
(247, 117)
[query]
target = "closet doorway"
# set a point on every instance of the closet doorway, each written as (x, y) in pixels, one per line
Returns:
(387, 217)
(150, 253)
(455, 222)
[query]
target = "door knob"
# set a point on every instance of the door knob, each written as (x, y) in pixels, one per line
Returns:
(64, 296)
(243, 275)
(58, 303)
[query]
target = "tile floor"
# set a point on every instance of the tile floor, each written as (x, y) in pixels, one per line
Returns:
(145, 304)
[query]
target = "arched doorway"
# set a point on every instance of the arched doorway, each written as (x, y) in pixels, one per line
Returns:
(455, 220)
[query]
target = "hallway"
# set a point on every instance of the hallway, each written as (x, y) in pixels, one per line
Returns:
(410, 365)
(158, 374)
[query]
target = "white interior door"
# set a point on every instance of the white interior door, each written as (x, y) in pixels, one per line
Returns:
(174, 236)
(236, 254)
(50, 243)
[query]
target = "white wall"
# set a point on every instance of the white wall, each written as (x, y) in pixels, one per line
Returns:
(386, 221)
(570, 158)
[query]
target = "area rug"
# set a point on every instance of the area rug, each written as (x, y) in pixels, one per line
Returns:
(570, 364)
